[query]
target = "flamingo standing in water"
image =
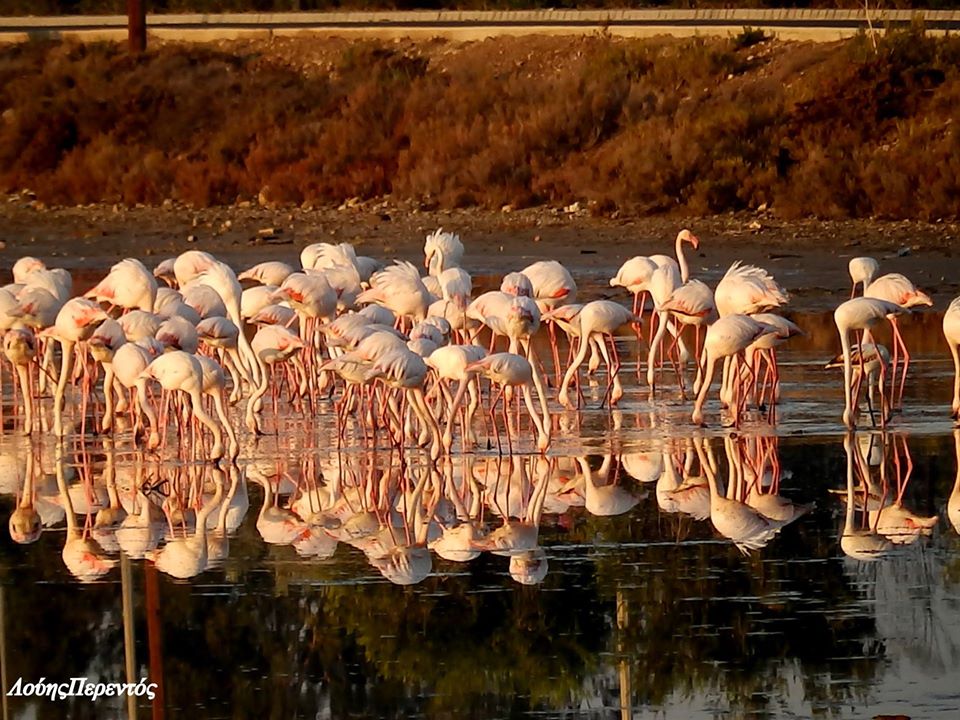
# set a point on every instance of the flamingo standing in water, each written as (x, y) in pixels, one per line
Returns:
(951, 331)
(76, 321)
(511, 370)
(553, 286)
(895, 288)
(860, 313)
(178, 370)
(130, 361)
(450, 363)
(222, 279)
(20, 348)
(271, 345)
(599, 319)
(727, 338)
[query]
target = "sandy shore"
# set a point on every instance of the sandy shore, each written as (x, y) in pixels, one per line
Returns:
(808, 257)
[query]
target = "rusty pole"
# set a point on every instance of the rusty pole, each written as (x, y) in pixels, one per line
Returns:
(137, 25)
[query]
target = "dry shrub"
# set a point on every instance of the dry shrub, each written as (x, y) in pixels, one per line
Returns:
(698, 125)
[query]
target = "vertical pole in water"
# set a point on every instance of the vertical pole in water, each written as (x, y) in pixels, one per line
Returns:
(3, 651)
(154, 637)
(129, 640)
(137, 25)
(623, 621)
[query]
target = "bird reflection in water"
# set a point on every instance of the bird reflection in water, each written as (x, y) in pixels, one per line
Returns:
(879, 498)
(82, 554)
(751, 512)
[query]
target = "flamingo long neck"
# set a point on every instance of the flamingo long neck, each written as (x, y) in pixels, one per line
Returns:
(200, 536)
(847, 373)
(956, 386)
(848, 525)
(682, 261)
(711, 477)
(956, 444)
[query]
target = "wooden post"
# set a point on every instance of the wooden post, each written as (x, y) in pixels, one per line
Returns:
(137, 25)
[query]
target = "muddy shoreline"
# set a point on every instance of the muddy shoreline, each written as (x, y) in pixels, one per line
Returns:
(809, 257)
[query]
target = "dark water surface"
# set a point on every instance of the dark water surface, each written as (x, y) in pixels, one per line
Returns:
(624, 603)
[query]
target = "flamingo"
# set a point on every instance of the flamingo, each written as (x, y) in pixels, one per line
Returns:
(24, 266)
(222, 334)
(222, 279)
(747, 289)
(190, 265)
(139, 324)
(442, 251)
(271, 345)
(204, 300)
(512, 370)
(766, 349)
(863, 544)
(634, 275)
(599, 318)
(747, 528)
(182, 371)
(896, 288)
(75, 322)
(951, 331)
(184, 558)
(105, 341)
(605, 500)
(953, 502)
(400, 289)
(405, 370)
(553, 286)
(164, 272)
(176, 333)
(450, 363)
(273, 272)
(726, 338)
(214, 384)
(862, 272)
(680, 263)
(169, 303)
(860, 313)
(20, 348)
(128, 285)
(130, 361)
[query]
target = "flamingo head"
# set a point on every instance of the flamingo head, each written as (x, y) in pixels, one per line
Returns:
(25, 525)
(517, 284)
(687, 236)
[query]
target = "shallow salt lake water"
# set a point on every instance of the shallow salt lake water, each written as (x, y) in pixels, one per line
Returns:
(620, 603)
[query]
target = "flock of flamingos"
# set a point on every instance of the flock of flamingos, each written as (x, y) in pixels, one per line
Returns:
(418, 361)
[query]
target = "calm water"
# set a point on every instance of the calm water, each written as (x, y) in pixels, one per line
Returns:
(614, 600)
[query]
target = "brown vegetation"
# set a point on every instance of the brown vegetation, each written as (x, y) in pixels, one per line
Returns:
(702, 126)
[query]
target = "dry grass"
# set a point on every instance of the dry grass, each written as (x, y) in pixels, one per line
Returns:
(702, 126)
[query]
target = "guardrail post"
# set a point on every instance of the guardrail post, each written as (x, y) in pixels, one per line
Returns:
(137, 25)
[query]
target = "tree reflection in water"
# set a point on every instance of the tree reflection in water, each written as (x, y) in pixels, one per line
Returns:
(610, 597)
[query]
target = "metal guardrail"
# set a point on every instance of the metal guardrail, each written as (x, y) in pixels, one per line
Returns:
(788, 23)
